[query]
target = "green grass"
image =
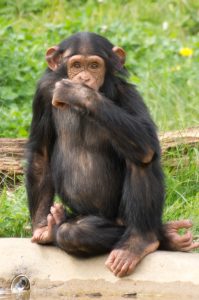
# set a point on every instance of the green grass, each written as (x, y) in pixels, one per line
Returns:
(182, 201)
(152, 33)
(14, 218)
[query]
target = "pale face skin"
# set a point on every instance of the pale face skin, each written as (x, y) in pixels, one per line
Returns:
(89, 70)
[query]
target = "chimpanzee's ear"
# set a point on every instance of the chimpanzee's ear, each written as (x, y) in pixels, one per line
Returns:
(120, 53)
(51, 58)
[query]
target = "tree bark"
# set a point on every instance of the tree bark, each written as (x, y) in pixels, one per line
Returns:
(12, 151)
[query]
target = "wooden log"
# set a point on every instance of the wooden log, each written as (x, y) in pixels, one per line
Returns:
(12, 151)
(12, 155)
(172, 139)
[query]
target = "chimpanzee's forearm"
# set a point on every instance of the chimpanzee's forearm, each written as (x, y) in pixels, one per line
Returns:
(134, 136)
(40, 189)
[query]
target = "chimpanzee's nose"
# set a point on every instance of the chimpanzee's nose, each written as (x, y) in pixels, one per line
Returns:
(84, 76)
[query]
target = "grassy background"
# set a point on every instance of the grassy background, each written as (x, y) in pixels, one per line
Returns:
(152, 33)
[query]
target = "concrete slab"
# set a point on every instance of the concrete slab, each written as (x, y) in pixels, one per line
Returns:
(50, 270)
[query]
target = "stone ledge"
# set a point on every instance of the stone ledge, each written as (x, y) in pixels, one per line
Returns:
(52, 270)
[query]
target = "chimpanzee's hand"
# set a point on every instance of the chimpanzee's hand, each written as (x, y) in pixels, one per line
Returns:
(78, 96)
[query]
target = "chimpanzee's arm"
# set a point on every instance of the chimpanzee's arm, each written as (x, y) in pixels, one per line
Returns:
(133, 135)
(131, 130)
(38, 176)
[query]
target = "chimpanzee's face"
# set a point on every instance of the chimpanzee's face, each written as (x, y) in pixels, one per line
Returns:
(87, 69)
(82, 68)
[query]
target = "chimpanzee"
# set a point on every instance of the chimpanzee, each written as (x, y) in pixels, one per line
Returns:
(94, 144)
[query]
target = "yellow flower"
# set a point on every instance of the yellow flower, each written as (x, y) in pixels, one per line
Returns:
(186, 52)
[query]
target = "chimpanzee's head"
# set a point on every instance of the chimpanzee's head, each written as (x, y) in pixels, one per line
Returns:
(87, 58)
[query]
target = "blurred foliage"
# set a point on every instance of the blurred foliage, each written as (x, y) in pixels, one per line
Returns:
(151, 32)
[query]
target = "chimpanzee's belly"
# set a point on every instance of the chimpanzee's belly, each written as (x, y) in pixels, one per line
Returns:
(88, 174)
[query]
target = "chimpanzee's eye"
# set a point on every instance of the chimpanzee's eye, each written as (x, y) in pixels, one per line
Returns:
(77, 65)
(94, 65)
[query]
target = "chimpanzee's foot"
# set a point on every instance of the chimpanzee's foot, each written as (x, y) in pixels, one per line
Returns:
(58, 212)
(45, 235)
(179, 242)
(122, 262)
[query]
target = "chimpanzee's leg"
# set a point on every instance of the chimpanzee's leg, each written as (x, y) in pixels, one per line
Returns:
(82, 236)
(88, 236)
(141, 209)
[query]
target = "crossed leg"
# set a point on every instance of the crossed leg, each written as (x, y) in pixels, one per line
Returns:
(94, 235)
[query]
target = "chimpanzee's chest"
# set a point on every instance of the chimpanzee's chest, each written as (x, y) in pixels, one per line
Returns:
(80, 131)
(87, 171)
